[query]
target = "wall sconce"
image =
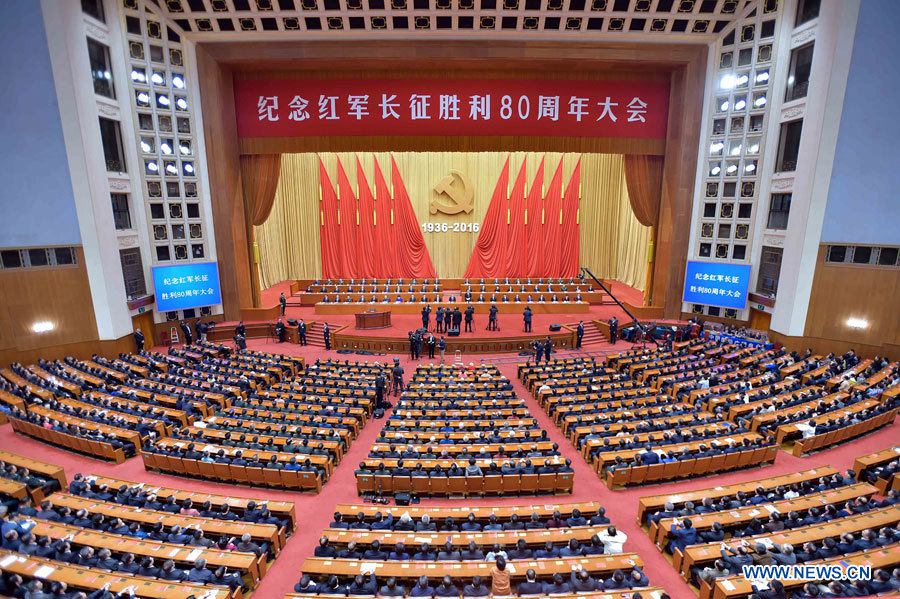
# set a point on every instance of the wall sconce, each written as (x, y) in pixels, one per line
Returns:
(857, 323)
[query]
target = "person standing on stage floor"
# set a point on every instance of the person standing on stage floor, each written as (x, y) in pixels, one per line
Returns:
(538, 350)
(301, 332)
(526, 316)
(470, 311)
(432, 345)
(613, 329)
(412, 345)
(442, 346)
(426, 316)
(457, 318)
(448, 319)
(240, 329)
(280, 331)
(548, 347)
(199, 330)
(492, 318)
(240, 341)
(283, 301)
(326, 335)
(579, 332)
(397, 377)
(139, 340)
(439, 320)
(186, 331)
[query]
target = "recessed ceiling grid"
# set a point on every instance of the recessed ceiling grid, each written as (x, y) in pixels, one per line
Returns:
(699, 20)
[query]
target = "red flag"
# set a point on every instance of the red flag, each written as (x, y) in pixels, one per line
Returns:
(384, 228)
(516, 262)
(369, 254)
(347, 225)
(533, 238)
(411, 258)
(332, 264)
(570, 227)
(551, 226)
(488, 256)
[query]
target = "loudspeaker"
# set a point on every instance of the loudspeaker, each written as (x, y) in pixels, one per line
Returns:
(292, 322)
(453, 332)
(402, 498)
(555, 327)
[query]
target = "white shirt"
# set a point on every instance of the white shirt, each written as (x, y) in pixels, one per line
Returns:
(613, 544)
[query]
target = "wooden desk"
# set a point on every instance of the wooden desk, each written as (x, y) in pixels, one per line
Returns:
(250, 566)
(266, 533)
(655, 503)
(738, 586)
(651, 592)
(482, 514)
(699, 555)
(373, 319)
(37, 467)
(411, 570)
(92, 579)
(660, 531)
(281, 509)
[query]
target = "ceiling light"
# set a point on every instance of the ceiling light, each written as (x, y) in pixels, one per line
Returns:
(743, 79)
(736, 150)
(170, 168)
(164, 100)
(181, 103)
(165, 147)
(188, 167)
(138, 76)
(731, 168)
(723, 106)
(762, 77)
(715, 170)
(42, 326)
(152, 166)
(750, 168)
(857, 323)
(740, 104)
(143, 98)
(184, 150)
(760, 102)
(157, 78)
(178, 81)
(146, 147)
(727, 82)
(754, 149)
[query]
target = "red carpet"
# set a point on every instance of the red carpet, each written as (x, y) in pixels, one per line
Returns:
(314, 511)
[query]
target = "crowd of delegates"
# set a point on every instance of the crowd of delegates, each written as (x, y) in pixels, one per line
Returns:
(372, 285)
(31, 480)
(74, 430)
(406, 523)
(499, 584)
(139, 496)
(885, 471)
(420, 428)
(17, 537)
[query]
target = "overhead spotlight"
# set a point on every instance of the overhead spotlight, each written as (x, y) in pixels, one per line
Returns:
(760, 102)
(178, 81)
(716, 146)
(750, 168)
(138, 76)
(188, 168)
(727, 82)
(754, 149)
(762, 77)
(715, 170)
(171, 169)
(857, 323)
(165, 147)
(731, 168)
(181, 103)
(157, 78)
(742, 80)
(740, 104)
(736, 150)
(145, 147)
(185, 150)
(152, 166)
(143, 98)
(42, 326)
(723, 106)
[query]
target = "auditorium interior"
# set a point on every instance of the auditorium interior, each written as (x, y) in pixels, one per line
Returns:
(449, 298)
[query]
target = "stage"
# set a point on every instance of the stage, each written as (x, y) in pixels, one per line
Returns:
(510, 337)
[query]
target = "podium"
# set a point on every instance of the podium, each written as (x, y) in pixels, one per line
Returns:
(373, 320)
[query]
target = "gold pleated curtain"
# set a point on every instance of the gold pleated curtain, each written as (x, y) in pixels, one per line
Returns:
(613, 243)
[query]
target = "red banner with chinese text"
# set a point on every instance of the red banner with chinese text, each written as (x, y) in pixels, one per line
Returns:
(451, 107)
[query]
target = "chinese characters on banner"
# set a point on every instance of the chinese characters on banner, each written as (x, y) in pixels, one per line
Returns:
(717, 284)
(186, 286)
(296, 108)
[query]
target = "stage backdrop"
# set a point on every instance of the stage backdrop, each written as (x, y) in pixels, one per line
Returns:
(450, 193)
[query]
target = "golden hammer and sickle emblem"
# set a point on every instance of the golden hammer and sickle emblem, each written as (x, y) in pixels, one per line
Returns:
(462, 195)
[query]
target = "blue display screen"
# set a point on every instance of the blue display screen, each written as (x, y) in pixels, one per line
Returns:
(186, 286)
(716, 284)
